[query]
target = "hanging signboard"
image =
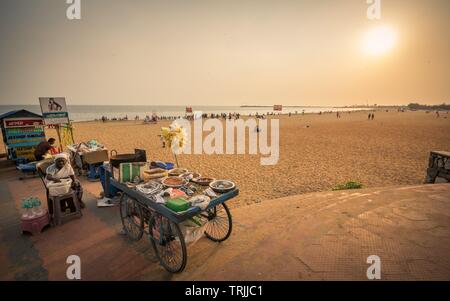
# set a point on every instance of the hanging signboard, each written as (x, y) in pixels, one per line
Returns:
(54, 110)
(23, 122)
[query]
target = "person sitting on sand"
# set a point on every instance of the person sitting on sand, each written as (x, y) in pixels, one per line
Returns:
(61, 169)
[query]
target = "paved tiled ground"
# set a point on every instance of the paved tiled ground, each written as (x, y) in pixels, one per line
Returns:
(325, 235)
(330, 236)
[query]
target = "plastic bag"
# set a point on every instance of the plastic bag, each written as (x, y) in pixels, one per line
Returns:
(193, 230)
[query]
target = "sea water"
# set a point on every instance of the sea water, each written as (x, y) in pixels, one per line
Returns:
(88, 113)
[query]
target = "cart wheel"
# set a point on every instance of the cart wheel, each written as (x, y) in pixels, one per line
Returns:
(219, 223)
(168, 243)
(132, 219)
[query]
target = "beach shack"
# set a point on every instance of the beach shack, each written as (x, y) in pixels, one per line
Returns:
(22, 131)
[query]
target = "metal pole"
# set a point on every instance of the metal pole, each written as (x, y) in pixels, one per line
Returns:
(71, 133)
(176, 160)
(59, 138)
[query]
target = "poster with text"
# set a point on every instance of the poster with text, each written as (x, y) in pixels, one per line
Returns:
(54, 110)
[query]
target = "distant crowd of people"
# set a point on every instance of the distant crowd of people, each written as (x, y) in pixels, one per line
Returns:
(222, 115)
(105, 118)
(228, 115)
(155, 118)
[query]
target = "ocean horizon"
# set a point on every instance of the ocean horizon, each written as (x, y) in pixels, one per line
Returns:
(95, 112)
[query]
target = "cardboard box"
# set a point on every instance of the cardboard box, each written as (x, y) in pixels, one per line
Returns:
(99, 156)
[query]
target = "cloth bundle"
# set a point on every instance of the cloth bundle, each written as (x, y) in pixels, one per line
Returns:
(61, 188)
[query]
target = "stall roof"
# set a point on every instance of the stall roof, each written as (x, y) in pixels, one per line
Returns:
(19, 114)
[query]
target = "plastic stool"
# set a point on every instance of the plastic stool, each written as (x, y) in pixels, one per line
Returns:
(58, 216)
(35, 224)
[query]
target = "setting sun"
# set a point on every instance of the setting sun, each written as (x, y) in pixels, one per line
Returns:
(379, 40)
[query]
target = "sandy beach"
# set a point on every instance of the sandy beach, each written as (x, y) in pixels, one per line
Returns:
(392, 149)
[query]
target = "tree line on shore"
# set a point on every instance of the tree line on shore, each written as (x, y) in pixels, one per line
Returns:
(417, 106)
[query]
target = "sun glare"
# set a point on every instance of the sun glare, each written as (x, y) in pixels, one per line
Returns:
(379, 40)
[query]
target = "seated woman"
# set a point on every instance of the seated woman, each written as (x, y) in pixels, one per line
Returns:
(62, 169)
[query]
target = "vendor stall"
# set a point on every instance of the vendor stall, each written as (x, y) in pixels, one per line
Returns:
(22, 131)
(88, 156)
(175, 209)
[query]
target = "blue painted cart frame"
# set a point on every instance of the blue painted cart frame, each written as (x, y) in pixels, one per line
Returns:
(176, 217)
(136, 209)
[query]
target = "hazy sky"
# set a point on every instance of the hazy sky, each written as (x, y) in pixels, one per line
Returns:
(222, 52)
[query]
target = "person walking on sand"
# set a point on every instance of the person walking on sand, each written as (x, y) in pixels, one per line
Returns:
(373, 116)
